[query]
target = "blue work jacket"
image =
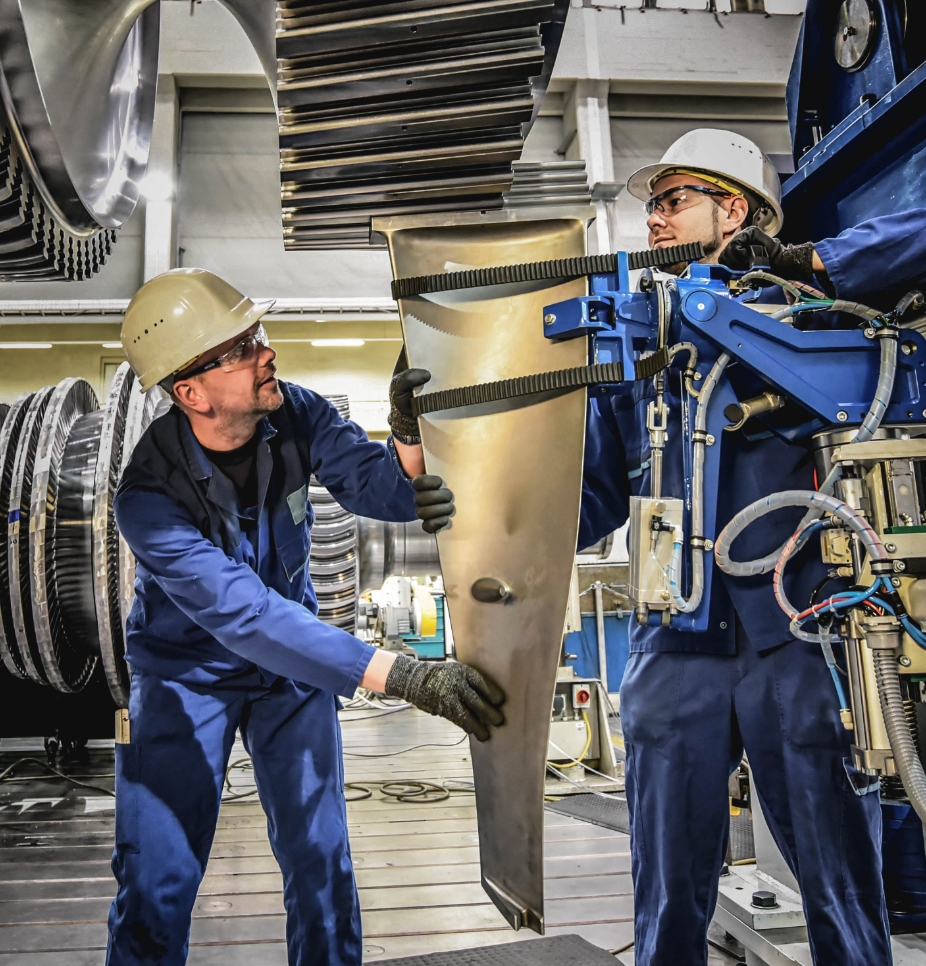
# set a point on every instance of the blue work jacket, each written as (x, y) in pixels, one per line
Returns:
(222, 592)
(873, 263)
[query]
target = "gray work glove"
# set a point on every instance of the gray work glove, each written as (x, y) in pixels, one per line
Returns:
(753, 247)
(405, 381)
(456, 692)
(434, 502)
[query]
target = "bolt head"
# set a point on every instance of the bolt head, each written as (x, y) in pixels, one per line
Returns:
(710, 440)
(763, 899)
(842, 415)
(900, 566)
(896, 581)
(723, 625)
(708, 544)
(869, 333)
(904, 661)
(890, 547)
(549, 318)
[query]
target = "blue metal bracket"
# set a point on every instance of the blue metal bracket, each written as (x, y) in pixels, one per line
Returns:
(834, 373)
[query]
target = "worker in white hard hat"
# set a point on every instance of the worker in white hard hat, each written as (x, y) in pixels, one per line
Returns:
(224, 634)
(691, 702)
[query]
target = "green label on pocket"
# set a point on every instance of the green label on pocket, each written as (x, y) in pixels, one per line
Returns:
(297, 502)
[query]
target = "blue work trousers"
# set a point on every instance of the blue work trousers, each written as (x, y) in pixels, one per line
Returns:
(169, 783)
(687, 719)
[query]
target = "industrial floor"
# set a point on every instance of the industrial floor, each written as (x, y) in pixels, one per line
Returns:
(417, 864)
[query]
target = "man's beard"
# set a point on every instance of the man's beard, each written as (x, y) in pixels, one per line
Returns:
(267, 404)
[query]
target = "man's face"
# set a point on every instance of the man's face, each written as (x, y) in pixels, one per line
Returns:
(705, 221)
(249, 388)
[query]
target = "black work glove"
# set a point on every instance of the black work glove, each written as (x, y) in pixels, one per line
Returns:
(752, 246)
(456, 692)
(405, 381)
(434, 502)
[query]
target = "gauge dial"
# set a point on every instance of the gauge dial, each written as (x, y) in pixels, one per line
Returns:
(856, 25)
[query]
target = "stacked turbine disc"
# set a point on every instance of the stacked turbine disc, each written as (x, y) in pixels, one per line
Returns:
(106, 538)
(142, 409)
(34, 245)
(65, 576)
(333, 555)
(75, 125)
(9, 442)
(404, 107)
(20, 505)
(61, 499)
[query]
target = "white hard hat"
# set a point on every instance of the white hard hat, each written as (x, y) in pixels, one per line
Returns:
(176, 317)
(723, 158)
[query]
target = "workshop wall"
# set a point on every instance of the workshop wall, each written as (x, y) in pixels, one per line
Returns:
(229, 215)
(76, 349)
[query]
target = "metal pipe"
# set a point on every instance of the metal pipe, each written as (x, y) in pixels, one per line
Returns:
(602, 642)
(906, 755)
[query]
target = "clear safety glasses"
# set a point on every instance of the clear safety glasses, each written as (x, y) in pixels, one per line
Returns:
(239, 356)
(681, 197)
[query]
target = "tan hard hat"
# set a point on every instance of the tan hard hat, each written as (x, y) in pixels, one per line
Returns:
(176, 317)
(725, 158)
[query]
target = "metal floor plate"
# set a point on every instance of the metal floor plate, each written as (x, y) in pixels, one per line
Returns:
(610, 812)
(550, 951)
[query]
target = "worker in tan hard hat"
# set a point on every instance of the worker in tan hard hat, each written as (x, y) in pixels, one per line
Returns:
(224, 633)
(692, 702)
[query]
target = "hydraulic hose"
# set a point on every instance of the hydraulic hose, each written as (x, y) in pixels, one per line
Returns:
(697, 499)
(906, 754)
(882, 397)
(819, 503)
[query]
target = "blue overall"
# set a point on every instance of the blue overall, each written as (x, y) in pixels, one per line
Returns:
(223, 635)
(691, 703)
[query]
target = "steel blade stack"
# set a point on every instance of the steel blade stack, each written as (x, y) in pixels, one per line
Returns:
(106, 539)
(405, 107)
(78, 106)
(141, 411)
(20, 508)
(9, 442)
(61, 579)
(333, 554)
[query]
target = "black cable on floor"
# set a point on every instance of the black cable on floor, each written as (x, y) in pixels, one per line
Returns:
(55, 773)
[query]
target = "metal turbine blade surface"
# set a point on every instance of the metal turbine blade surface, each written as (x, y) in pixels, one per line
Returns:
(9, 439)
(143, 409)
(18, 556)
(78, 90)
(516, 469)
(63, 607)
(106, 536)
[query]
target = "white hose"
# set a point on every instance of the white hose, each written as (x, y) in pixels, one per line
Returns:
(697, 499)
(882, 397)
(819, 502)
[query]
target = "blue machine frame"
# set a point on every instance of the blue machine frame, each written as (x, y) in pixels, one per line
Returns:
(832, 373)
(859, 137)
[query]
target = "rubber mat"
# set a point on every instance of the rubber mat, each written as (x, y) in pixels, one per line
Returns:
(612, 813)
(549, 951)
(609, 812)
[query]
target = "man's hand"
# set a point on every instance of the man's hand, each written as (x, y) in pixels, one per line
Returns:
(456, 692)
(434, 502)
(753, 247)
(405, 381)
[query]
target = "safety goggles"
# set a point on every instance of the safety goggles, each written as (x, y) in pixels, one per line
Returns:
(241, 355)
(683, 196)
